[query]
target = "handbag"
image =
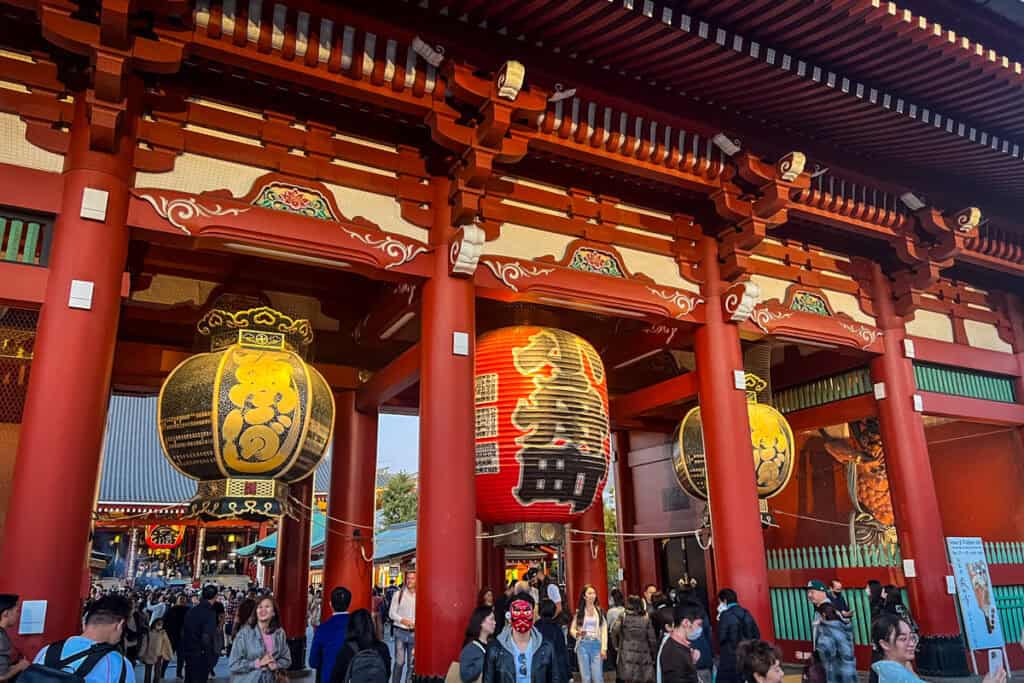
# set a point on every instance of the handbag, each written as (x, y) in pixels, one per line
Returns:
(814, 671)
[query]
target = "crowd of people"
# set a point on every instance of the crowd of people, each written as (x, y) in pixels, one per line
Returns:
(527, 633)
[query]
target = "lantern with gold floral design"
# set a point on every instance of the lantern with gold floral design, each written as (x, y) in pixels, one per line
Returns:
(542, 430)
(248, 418)
(770, 436)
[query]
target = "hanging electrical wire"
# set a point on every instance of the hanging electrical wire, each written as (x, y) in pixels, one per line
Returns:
(811, 519)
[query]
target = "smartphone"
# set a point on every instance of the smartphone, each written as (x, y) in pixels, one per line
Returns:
(995, 660)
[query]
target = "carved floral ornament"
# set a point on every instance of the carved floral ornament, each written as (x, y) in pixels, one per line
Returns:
(303, 213)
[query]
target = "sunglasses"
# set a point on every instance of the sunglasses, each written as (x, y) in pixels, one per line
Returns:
(522, 664)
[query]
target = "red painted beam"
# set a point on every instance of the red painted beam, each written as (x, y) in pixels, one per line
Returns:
(973, 409)
(400, 374)
(961, 356)
(660, 395)
(847, 410)
(22, 285)
(30, 189)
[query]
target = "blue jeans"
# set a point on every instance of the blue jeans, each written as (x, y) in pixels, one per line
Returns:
(404, 641)
(588, 656)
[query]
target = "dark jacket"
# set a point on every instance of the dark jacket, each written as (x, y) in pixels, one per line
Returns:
(500, 663)
(676, 663)
(197, 635)
(327, 641)
(471, 661)
(345, 656)
(552, 633)
(734, 625)
(174, 621)
(633, 637)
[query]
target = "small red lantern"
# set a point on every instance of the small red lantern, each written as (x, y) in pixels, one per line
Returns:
(164, 536)
(542, 431)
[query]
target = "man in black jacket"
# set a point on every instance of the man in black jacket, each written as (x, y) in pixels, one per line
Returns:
(174, 622)
(735, 624)
(198, 638)
(520, 652)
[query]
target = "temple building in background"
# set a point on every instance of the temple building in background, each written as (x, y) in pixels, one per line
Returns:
(762, 261)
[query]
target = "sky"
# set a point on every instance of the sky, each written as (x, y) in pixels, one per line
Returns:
(398, 443)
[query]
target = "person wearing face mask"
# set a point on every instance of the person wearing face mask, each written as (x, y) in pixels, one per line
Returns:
(520, 654)
(735, 624)
(677, 659)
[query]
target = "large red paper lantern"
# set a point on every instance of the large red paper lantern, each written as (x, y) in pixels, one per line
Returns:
(164, 536)
(542, 431)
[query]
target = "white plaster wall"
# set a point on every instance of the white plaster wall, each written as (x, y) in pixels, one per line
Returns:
(931, 325)
(519, 241)
(383, 210)
(17, 151)
(985, 336)
(662, 269)
(196, 174)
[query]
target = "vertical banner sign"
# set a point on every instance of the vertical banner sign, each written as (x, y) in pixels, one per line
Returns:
(975, 593)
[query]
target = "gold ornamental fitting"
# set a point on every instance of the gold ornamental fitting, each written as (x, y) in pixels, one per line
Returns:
(261, 327)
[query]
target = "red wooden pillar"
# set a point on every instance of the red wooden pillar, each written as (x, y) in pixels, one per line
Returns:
(495, 576)
(588, 559)
(648, 563)
(446, 528)
(625, 511)
(291, 570)
(54, 484)
(348, 559)
(915, 503)
(735, 517)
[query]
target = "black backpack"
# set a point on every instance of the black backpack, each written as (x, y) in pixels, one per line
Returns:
(748, 627)
(366, 667)
(52, 668)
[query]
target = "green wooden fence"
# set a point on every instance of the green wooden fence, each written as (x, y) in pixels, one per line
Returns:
(1004, 552)
(793, 614)
(943, 379)
(23, 239)
(822, 391)
(833, 557)
(1010, 603)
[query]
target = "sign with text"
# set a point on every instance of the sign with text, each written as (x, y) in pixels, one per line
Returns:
(975, 593)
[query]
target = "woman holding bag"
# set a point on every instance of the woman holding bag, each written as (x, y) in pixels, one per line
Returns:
(260, 652)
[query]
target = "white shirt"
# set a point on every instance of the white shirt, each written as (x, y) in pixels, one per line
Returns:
(553, 593)
(403, 606)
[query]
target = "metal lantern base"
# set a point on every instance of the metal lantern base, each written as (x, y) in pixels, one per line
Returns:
(297, 648)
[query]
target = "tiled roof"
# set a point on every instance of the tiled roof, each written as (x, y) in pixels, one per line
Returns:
(134, 469)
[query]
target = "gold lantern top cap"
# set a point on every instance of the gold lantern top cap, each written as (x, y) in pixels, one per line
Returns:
(754, 386)
(259, 327)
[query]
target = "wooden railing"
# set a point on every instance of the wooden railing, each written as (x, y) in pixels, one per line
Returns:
(833, 557)
(24, 238)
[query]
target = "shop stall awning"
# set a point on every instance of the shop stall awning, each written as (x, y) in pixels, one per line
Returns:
(268, 545)
(395, 541)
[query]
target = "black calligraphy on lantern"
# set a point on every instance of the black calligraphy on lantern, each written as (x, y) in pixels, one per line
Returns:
(564, 421)
(164, 536)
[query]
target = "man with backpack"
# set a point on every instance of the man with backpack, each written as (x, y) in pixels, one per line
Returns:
(92, 657)
(735, 624)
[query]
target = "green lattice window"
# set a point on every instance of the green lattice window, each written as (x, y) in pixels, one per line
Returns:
(23, 238)
(825, 390)
(943, 379)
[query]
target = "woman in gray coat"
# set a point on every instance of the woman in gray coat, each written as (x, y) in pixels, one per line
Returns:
(260, 648)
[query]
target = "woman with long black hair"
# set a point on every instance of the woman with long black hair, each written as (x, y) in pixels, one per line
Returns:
(474, 647)
(361, 636)
(590, 629)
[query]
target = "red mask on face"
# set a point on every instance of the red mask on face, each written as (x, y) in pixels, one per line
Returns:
(521, 616)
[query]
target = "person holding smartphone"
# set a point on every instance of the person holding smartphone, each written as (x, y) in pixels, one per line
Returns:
(897, 644)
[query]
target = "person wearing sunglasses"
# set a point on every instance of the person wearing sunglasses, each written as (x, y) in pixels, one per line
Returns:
(520, 654)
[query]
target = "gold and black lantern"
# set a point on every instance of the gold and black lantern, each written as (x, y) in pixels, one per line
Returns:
(248, 418)
(770, 436)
